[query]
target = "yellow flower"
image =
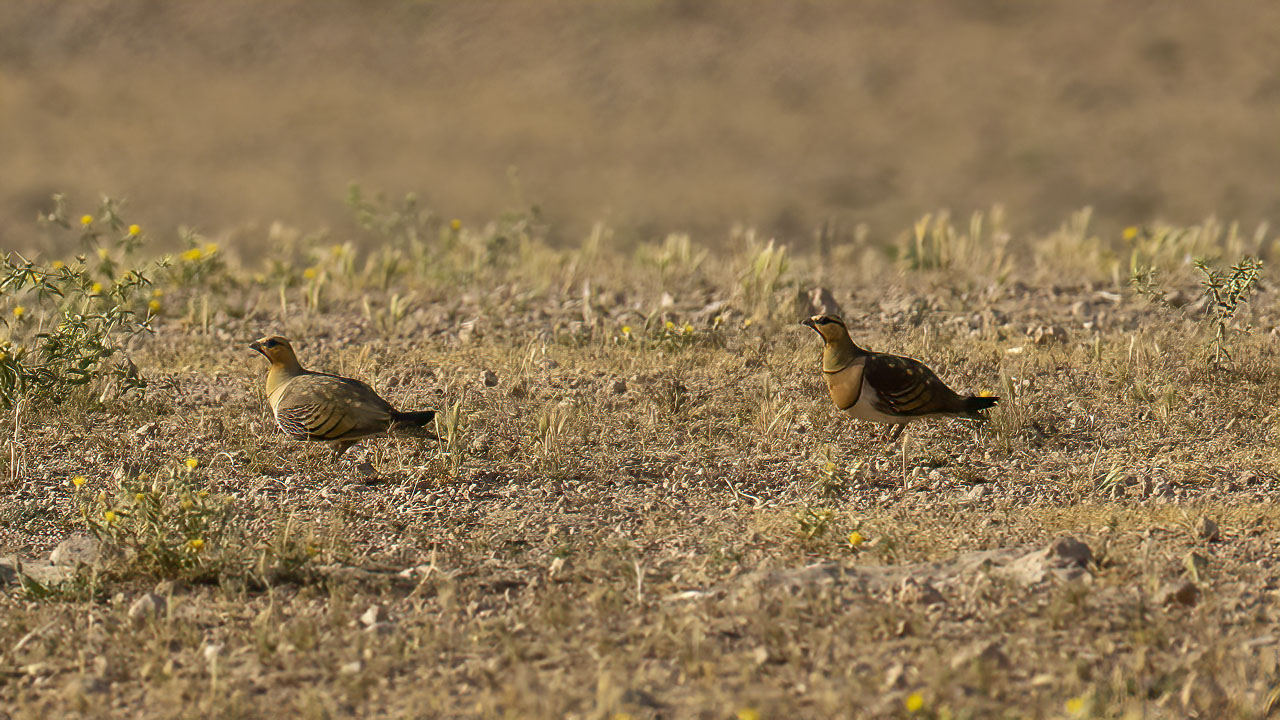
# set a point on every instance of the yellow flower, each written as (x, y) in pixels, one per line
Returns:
(154, 307)
(855, 539)
(310, 273)
(915, 701)
(78, 481)
(57, 265)
(1130, 232)
(985, 393)
(210, 248)
(139, 497)
(192, 463)
(86, 220)
(109, 516)
(103, 254)
(748, 713)
(95, 289)
(671, 325)
(1075, 706)
(134, 230)
(455, 225)
(19, 311)
(688, 329)
(195, 544)
(191, 255)
(626, 329)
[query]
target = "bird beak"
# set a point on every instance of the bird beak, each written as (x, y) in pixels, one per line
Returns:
(809, 323)
(255, 345)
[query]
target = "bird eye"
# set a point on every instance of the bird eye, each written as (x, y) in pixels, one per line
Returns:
(271, 343)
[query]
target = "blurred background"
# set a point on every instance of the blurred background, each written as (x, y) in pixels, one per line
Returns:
(654, 116)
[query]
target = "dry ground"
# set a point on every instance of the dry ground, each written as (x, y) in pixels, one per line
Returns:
(621, 525)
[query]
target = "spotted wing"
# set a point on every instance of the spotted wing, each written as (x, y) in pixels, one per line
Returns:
(328, 407)
(906, 388)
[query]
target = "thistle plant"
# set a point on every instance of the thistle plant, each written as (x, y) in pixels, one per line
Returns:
(1224, 293)
(67, 324)
(1227, 291)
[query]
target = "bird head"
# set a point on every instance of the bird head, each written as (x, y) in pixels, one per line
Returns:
(830, 327)
(276, 349)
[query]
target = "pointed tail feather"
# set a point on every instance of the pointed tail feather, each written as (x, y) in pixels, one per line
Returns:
(413, 423)
(974, 403)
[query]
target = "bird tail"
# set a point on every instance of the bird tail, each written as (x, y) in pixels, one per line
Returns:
(414, 422)
(974, 403)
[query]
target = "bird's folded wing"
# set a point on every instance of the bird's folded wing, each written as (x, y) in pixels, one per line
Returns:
(906, 387)
(327, 407)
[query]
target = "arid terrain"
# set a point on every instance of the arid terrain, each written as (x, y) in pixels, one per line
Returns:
(585, 234)
(642, 504)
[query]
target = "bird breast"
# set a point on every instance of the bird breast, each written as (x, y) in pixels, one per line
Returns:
(845, 386)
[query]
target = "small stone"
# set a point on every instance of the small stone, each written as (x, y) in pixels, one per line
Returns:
(1066, 558)
(914, 592)
(147, 429)
(988, 653)
(87, 685)
(619, 386)
(77, 549)
(374, 615)
(168, 588)
(1069, 550)
(352, 668)
(489, 378)
(895, 677)
(822, 302)
(977, 492)
(1184, 593)
(211, 652)
(366, 469)
(1208, 529)
(147, 607)
(1046, 334)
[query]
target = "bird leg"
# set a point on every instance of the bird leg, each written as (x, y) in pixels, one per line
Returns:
(339, 447)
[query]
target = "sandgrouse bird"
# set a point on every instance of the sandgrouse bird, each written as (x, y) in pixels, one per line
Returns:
(885, 388)
(317, 406)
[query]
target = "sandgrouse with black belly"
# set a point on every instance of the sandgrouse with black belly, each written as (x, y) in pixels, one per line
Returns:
(885, 388)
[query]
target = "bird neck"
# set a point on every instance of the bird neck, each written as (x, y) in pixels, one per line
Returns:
(281, 372)
(840, 353)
